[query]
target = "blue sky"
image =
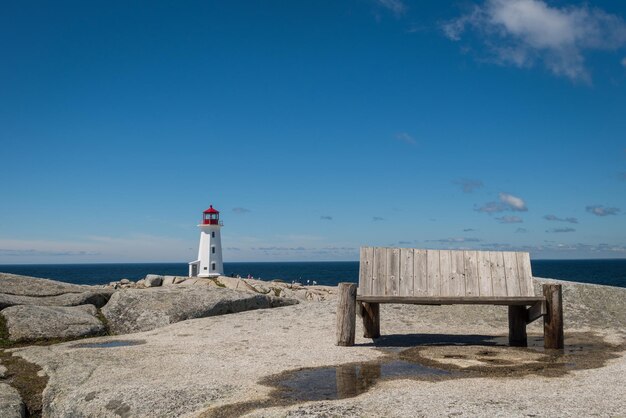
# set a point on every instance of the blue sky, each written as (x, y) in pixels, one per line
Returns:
(315, 127)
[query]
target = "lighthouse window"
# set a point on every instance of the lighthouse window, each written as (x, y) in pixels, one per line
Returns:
(212, 266)
(213, 250)
(213, 234)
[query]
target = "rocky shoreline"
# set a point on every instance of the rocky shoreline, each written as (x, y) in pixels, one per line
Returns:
(163, 347)
(39, 309)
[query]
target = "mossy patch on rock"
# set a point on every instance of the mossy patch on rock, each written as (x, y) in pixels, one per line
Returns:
(4, 333)
(24, 376)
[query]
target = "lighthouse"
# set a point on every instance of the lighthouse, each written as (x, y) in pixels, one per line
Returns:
(209, 262)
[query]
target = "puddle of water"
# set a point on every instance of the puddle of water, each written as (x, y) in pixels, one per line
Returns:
(110, 344)
(439, 362)
(432, 362)
(348, 380)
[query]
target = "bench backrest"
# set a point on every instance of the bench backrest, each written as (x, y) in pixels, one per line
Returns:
(443, 273)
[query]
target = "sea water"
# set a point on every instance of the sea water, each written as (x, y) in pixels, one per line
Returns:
(606, 272)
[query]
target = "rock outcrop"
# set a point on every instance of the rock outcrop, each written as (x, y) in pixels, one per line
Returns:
(274, 288)
(134, 310)
(153, 280)
(14, 284)
(24, 290)
(221, 366)
(31, 322)
(313, 293)
(11, 405)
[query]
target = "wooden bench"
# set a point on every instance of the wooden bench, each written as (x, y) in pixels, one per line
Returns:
(448, 277)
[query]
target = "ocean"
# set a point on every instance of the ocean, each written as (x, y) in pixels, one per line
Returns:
(606, 272)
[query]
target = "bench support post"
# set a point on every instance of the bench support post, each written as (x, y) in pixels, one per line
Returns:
(346, 314)
(553, 320)
(371, 319)
(517, 326)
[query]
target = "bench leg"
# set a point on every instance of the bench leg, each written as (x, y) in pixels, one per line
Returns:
(346, 314)
(553, 320)
(517, 326)
(371, 319)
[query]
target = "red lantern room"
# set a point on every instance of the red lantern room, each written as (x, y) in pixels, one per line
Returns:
(211, 216)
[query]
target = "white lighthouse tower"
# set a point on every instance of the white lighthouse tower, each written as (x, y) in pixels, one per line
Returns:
(209, 262)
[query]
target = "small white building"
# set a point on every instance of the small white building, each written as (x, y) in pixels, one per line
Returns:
(209, 262)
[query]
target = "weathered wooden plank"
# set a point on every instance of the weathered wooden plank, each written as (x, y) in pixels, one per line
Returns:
(471, 273)
(536, 311)
(365, 270)
(380, 271)
(485, 284)
(433, 273)
(498, 276)
(370, 313)
(456, 285)
(553, 320)
(517, 326)
(393, 272)
(446, 300)
(420, 273)
(346, 314)
(445, 270)
(406, 272)
(511, 274)
(525, 274)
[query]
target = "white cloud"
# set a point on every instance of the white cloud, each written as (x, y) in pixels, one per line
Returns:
(554, 218)
(523, 33)
(560, 230)
(600, 210)
(454, 240)
(396, 6)
(553, 249)
(130, 248)
(513, 202)
(507, 202)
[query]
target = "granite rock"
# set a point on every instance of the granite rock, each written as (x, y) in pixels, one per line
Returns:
(153, 280)
(194, 368)
(24, 290)
(11, 405)
(98, 298)
(135, 310)
(13, 284)
(31, 322)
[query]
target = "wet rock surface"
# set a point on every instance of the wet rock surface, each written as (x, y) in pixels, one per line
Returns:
(136, 310)
(29, 322)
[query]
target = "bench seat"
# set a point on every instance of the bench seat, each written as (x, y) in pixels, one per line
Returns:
(449, 277)
(439, 300)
